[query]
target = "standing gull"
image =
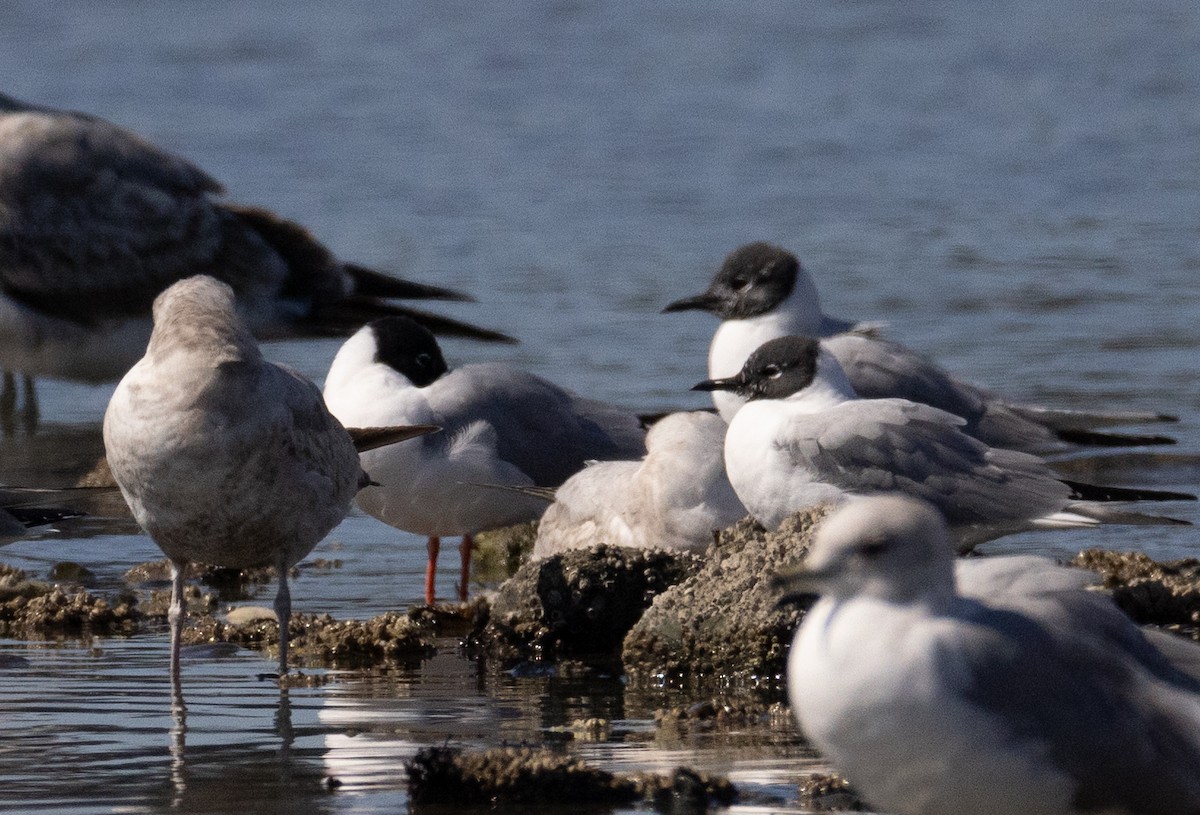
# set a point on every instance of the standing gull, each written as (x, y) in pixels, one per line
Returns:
(95, 221)
(675, 498)
(1010, 698)
(503, 427)
(224, 457)
(762, 292)
(804, 438)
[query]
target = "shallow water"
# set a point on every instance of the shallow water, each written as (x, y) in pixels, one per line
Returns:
(1013, 187)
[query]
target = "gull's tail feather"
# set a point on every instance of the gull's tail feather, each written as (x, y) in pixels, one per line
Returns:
(314, 274)
(31, 516)
(1060, 419)
(370, 283)
(546, 494)
(1092, 438)
(1081, 491)
(370, 438)
(351, 313)
(1109, 515)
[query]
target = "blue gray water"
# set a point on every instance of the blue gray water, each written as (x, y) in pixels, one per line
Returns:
(1013, 186)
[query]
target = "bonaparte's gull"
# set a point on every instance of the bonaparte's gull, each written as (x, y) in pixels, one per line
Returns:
(804, 438)
(95, 221)
(503, 426)
(676, 497)
(1009, 696)
(224, 457)
(762, 292)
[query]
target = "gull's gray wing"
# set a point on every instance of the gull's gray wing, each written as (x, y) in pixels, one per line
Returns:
(882, 369)
(880, 445)
(1120, 721)
(95, 221)
(545, 431)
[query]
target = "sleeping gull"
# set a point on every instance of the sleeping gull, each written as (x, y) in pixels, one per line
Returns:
(804, 438)
(762, 292)
(676, 497)
(1009, 697)
(503, 426)
(224, 457)
(95, 221)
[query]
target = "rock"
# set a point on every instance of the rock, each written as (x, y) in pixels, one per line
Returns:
(579, 603)
(320, 639)
(829, 792)
(723, 622)
(30, 609)
(68, 572)
(725, 714)
(686, 791)
(249, 615)
(511, 775)
(500, 552)
(522, 775)
(1166, 594)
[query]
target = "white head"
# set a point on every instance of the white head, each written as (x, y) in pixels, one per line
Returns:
(889, 547)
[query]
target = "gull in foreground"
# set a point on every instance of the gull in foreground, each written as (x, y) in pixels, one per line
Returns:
(762, 292)
(1007, 696)
(224, 457)
(804, 438)
(95, 221)
(503, 427)
(676, 497)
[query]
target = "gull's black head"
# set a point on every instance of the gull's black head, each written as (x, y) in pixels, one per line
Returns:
(409, 348)
(776, 370)
(753, 280)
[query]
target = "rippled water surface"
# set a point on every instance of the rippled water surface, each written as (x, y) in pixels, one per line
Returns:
(1014, 187)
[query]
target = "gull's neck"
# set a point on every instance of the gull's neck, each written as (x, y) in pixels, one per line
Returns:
(829, 388)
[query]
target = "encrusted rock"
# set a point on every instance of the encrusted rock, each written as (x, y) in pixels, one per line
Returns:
(685, 791)
(829, 792)
(532, 776)
(1166, 594)
(31, 609)
(723, 714)
(320, 639)
(723, 622)
(579, 603)
(500, 552)
(510, 775)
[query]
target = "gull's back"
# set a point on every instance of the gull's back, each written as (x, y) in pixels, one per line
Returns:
(223, 456)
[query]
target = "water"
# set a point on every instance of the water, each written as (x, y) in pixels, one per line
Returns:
(1013, 186)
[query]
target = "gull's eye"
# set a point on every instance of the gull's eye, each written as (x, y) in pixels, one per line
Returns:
(772, 371)
(740, 283)
(873, 549)
(423, 360)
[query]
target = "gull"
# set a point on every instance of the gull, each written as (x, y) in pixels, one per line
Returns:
(224, 457)
(24, 508)
(804, 438)
(762, 292)
(675, 497)
(503, 427)
(95, 221)
(1002, 695)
